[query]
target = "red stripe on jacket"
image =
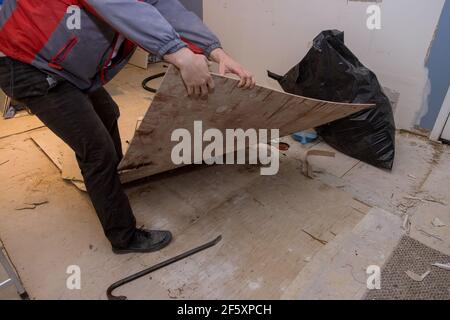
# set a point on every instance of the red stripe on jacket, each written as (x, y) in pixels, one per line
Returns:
(194, 48)
(21, 38)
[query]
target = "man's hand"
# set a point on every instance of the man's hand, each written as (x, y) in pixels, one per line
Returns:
(228, 65)
(194, 70)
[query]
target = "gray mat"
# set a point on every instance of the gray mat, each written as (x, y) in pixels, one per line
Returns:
(418, 258)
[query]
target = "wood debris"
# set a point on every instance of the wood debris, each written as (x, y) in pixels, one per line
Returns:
(426, 199)
(315, 238)
(429, 234)
(406, 224)
(31, 205)
(416, 277)
(307, 169)
(437, 223)
(442, 266)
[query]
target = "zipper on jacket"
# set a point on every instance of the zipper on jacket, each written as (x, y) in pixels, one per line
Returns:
(56, 61)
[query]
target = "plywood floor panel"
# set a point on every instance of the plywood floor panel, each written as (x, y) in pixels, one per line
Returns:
(19, 124)
(227, 108)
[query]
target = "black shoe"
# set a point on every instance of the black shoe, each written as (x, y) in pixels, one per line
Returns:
(146, 241)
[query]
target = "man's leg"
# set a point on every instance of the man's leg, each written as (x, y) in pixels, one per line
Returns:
(108, 111)
(69, 113)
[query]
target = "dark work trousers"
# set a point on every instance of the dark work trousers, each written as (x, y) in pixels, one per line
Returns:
(88, 124)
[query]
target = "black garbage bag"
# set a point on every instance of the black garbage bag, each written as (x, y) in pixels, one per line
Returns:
(330, 71)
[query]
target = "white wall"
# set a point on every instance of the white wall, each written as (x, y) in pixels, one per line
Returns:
(276, 35)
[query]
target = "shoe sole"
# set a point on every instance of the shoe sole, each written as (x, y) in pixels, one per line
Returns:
(157, 247)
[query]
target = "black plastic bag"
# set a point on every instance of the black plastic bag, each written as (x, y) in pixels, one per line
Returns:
(330, 71)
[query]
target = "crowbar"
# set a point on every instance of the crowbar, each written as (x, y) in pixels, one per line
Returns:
(157, 267)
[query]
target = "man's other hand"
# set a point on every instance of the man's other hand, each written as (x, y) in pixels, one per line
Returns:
(229, 65)
(194, 70)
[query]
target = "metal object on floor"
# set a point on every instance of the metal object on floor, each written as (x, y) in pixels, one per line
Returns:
(147, 80)
(13, 277)
(157, 267)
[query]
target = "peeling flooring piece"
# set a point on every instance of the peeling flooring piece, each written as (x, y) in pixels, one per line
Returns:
(70, 169)
(228, 107)
(53, 147)
(60, 154)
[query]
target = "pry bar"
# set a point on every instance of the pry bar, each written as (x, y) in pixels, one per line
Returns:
(157, 267)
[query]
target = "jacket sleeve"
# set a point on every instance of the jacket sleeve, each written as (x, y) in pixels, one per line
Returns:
(187, 24)
(139, 22)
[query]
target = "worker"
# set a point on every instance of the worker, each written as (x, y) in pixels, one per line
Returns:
(58, 55)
